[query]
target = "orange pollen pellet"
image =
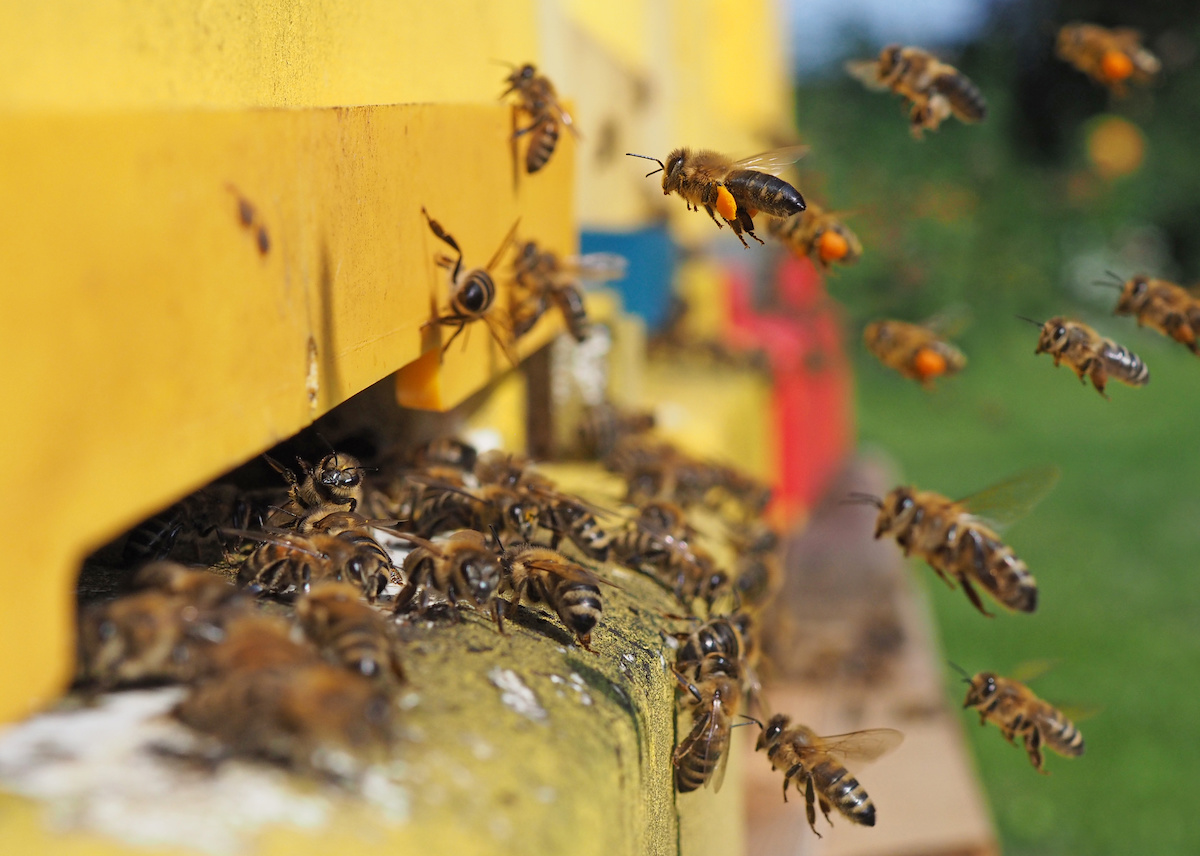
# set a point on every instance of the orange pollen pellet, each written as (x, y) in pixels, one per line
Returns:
(831, 246)
(1115, 65)
(929, 363)
(726, 204)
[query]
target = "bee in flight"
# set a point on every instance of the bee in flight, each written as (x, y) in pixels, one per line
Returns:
(957, 538)
(536, 96)
(1017, 712)
(819, 764)
(917, 351)
(818, 235)
(737, 190)
(937, 90)
(1160, 305)
(1109, 57)
(1088, 353)
(472, 292)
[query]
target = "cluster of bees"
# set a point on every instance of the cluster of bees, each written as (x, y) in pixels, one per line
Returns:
(314, 684)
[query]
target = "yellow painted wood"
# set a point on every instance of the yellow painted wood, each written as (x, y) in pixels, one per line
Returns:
(116, 55)
(151, 344)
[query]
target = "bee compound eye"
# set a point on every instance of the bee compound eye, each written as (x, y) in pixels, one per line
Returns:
(1060, 331)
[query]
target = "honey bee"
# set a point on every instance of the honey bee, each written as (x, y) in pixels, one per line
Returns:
(536, 96)
(571, 518)
(716, 695)
(509, 470)
(602, 426)
(935, 89)
(688, 570)
(1162, 306)
(916, 351)
(285, 560)
(819, 764)
(818, 235)
(539, 573)
(953, 537)
(336, 483)
(544, 280)
(313, 716)
(1015, 710)
(737, 190)
(158, 633)
(462, 568)
(472, 292)
(1089, 354)
(336, 619)
(1109, 57)
(446, 452)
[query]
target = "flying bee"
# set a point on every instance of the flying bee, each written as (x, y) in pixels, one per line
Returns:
(1109, 57)
(935, 88)
(536, 96)
(819, 763)
(543, 280)
(917, 351)
(716, 695)
(571, 590)
(472, 292)
(336, 620)
(1089, 354)
(1016, 711)
(737, 190)
(464, 567)
(953, 537)
(1160, 305)
(818, 235)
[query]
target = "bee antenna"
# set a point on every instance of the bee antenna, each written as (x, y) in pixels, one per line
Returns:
(857, 498)
(960, 670)
(1105, 283)
(328, 445)
(750, 718)
(496, 535)
(1114, 275)
(502, 62)
(661, 165)
(1031, 321)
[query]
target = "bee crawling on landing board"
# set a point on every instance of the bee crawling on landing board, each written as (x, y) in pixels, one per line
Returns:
(1016, 711)
(472, 291)
(714, 699)
(937, 90)
(958, 538)
(819, 764)
(1109, 57)
(1089, 354)
(536, 96)
(737, 190)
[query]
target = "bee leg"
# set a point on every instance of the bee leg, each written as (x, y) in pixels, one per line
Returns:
(973, 596)
(453, 319)
(1099, 378)
(498, 616)
(810, 809)
(690, 687)
(713, 215)
(786, 779)
(1033, 745)
(824, 803)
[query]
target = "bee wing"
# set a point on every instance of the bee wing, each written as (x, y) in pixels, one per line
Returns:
(567, 570)
(863, 745)
(774, 161)
(866, 70)
(1006, 502)
(1031, 670)
(704, 734)
(948, 323)
(598, 267)
(508, 239)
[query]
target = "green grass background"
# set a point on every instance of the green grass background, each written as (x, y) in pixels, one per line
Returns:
(964, 219)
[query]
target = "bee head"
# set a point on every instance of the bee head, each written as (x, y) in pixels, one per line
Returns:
(482, 574)
(1054, 336)
(339, 471)
(877, 335)
(1133, 295)
(983, 688)
(673, 170)
(888, 58)
(771, 733)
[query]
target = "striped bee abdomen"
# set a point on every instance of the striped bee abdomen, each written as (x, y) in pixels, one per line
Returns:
(1060, 733)
(844, 792)
(1124, 364)
(965, 99)
(764, 192)
(542, 142)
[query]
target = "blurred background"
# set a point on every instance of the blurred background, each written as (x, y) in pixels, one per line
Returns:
(1019, 215)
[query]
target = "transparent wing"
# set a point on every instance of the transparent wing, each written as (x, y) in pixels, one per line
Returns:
(1006, 502)
(774, 161)
(706, 738)
(866, 70)
(598, 267)
(863, 745)
(948, 323)
(1031, 670)
(566, 570)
